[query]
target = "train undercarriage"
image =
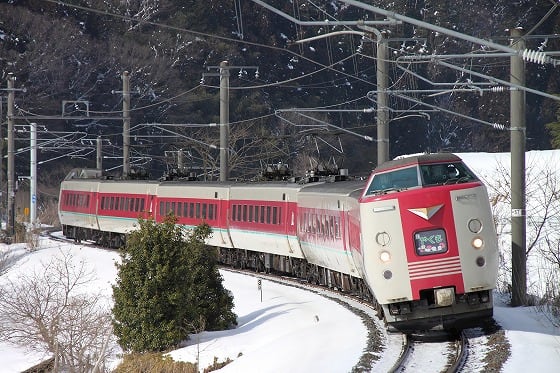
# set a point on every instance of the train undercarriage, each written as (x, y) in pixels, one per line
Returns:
(295, 267)
(106, 239)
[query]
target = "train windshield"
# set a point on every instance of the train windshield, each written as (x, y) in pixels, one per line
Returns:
(420, 175)
(394, 180)
(446, 173)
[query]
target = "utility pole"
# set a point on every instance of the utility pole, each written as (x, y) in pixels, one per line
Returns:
(518, 211)
(224, 120)
(1, 157)
(224, 73)
(33, 177)
(382, 100)
(99, 157)
(11, 172)
(180, 160)
(126, 124)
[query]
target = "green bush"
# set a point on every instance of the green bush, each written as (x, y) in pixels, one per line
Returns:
(168, 282)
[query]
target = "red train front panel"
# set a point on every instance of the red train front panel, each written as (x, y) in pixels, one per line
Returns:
(430, 250)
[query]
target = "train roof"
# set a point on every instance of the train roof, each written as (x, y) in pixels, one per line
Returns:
(417, 159)
(336, 187)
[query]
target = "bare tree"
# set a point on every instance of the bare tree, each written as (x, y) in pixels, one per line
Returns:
(543, 209)
(48, 310)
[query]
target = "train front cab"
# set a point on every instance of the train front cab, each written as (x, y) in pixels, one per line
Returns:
(430, 246)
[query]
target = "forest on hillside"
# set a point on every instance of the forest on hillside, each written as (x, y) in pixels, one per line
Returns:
(70, 56)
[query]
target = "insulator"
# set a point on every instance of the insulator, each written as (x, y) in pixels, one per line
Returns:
(497, 89)
(498, 126)
(535, 56)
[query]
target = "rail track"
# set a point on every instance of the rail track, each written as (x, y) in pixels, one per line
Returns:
(445, 354)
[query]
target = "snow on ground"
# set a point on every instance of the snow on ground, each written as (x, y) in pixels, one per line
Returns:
(291, 329)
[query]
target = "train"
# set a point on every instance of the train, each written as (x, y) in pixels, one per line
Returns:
(417, 237)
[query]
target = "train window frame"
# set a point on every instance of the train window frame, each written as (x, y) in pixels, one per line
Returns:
(422, 235)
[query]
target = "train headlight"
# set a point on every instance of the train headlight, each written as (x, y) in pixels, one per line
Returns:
(477, 243)
(475, 225)
(385, 256)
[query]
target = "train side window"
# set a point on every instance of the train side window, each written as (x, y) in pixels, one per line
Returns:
(185, 209)
(268, 213)
(251, 213)
(337, 227)
(275, 215)
(179, 210)
(239, 213)
(245, 212)
(161, 208)
(256, 214)
(234, 212)
(211, 207)
(204, 207)
(262, 214)
(112, 203)
(141, 204)
(198, 210)
(191, 210)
